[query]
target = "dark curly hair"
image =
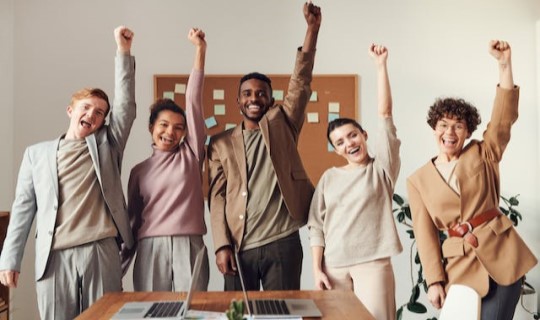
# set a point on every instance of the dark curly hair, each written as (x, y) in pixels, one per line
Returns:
(454, 109)
(164, 104)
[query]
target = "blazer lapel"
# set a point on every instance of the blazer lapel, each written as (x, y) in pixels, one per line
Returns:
(51, 152)
(442, 184)
(263, 125)
(239, 153)
(92, 148)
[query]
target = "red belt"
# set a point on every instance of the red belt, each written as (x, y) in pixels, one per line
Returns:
(464, 229)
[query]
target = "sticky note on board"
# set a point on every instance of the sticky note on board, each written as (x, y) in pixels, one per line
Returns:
(277, 95)
(168, 95)
(219, 94)
(207, 140)
(210, 122)
(180, 88)
(332, 116)
(333, 107)
(330, 147)
(229, 126)
(313, 117)
(313, 96)
(219, 109)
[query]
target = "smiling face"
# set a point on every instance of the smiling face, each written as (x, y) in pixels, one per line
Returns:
(86, 115)
(350, 143)
(168, 130)
(450, 136)
(254, 100)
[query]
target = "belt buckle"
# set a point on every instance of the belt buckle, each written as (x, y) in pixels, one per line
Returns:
(469, 226)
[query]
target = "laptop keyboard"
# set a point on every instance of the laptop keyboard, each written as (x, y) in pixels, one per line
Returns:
(164, 309)
(275, 307)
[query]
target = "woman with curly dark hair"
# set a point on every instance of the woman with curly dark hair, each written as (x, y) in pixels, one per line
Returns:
(458, 192)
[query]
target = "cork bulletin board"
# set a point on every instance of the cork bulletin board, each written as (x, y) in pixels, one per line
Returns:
(333, 96)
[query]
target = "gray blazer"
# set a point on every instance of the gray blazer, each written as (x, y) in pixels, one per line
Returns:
(37, 195)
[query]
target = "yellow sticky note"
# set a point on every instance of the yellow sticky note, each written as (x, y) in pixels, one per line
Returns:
(333, 107)
(180, 88)
(219, 94)
(313, 117)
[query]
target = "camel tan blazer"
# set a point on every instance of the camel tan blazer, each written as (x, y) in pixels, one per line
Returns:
(501, 253)
(280, 128)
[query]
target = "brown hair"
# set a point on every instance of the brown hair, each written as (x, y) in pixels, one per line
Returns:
(455, 109)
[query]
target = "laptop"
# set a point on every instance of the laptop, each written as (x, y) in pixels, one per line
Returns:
(461, 302)
(163, 310)
(276, 308)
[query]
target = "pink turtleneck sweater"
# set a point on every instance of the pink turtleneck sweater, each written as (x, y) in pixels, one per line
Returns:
(165, 195)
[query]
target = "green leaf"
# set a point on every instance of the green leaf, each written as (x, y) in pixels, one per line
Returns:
(416, 307)
(399, 313)
(514, 220)
(408, 212)
(398, 199)
(401, 217)
(515, 212)
(514, 200)
(415, 294)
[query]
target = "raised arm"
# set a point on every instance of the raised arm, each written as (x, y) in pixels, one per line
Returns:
(379, 54)
(196, 133)
(299, 90)
(123, 111)
(312, 14)
(197, 37)
(124, 38)
(500, 50)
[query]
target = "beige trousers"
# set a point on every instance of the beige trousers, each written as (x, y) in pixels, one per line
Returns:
(372, 282)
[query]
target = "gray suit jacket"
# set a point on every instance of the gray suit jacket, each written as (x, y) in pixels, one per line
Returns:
(37, 195)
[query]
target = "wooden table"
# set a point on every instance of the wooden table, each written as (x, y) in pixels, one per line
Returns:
(333, 304)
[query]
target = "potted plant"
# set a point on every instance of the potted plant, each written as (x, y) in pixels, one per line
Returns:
(236, 310)
(403, 216)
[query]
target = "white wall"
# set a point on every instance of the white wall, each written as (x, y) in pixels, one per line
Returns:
(52, 48)
(6, 104)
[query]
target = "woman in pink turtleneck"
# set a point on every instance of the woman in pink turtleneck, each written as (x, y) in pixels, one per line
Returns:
(165, 199)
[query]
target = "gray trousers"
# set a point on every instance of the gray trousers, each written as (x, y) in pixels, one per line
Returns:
(76, 277)
(500, 301)
(277, 265)
(166, 264)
